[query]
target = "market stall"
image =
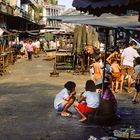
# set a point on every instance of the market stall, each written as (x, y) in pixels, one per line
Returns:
(6, 53)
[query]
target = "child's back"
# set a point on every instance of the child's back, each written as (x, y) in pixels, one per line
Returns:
(115, 75)
(115, 67)
(97, 71)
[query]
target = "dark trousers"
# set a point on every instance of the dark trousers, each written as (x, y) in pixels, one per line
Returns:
(30, 55)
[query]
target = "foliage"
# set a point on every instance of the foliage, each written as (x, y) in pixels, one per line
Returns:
(6, 2)
(54, 2)
(38, 14)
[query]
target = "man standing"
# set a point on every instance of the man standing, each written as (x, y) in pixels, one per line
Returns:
(127, 64)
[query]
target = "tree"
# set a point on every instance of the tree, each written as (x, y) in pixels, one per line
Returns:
(54, 2)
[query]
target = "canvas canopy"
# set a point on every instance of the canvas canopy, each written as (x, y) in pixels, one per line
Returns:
(105, 20)
(98, 7)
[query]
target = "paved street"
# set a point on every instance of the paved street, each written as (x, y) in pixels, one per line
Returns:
(26, 105)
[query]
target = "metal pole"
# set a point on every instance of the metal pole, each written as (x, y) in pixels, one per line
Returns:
(115, 39)
(106, 45)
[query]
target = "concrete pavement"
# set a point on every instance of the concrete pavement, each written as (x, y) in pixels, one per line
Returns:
(26, 105)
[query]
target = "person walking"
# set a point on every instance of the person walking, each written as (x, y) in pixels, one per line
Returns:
(127, 64)
(29, 48)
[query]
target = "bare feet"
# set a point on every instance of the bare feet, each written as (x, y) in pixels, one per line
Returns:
(65, 114)
(116, 90)
(113, 91)
(120, 91)
(69, 112)
(130, 91)
(135, 102)
(83, 119)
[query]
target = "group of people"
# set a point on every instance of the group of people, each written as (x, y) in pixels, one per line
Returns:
(88, 102)
(119, 66)
(27, 48)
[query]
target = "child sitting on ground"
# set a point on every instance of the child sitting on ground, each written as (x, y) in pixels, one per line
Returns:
(65, 98)
(115, 74)
(91, 98)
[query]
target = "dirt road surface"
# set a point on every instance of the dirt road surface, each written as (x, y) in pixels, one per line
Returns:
(26, 105)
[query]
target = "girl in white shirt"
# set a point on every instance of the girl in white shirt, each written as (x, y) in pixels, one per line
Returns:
(91, 98)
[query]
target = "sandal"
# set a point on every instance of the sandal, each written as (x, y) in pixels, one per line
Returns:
(116, 91)
(69, 112)
(83, 120)
(65, 114)
(135, 102)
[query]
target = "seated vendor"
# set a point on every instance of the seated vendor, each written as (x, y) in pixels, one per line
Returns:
(108, 103)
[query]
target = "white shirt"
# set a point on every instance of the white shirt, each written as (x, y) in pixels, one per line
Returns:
(63, 94)
(129, 54)
(92, 99)
(36, 44)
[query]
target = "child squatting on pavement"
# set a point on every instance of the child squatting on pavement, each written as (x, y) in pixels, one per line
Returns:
(91, 101)
(65, 98)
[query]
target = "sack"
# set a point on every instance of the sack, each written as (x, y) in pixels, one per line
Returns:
(105, 113)
(105, 108)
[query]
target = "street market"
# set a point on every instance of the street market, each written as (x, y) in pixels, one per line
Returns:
(69, 73)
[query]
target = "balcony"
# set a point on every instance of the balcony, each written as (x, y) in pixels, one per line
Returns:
(6, 9)
(21, 13)
(53, 24)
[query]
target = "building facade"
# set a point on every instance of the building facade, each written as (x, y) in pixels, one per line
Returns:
(21, 15)
(52, 9)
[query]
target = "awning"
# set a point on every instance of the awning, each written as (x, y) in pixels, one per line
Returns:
(22, 24)
(98, 7)
(3, 30)
(105, 20)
